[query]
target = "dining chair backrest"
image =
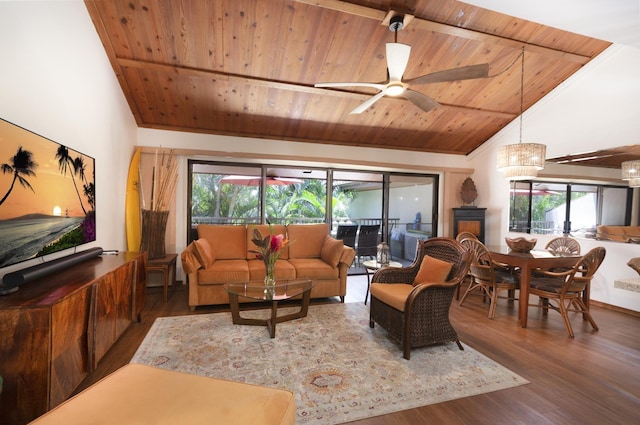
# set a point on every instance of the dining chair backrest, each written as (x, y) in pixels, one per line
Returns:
(465, 235)
(482, 265)
(563, 245)
(583, 271)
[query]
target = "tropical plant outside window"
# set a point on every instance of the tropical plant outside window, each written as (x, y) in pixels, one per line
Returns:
(566, 208)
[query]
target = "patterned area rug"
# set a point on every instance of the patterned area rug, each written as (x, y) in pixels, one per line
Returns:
(339, 369)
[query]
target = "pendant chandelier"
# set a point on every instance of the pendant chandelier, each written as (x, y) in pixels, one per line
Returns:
(631, 172)
(521, 161)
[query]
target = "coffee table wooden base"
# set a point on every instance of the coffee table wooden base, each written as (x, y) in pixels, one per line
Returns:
(275, 319)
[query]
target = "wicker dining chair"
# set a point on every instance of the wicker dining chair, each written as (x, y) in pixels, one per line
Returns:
(563, 291)
(465, 235)
(467, 281)
(489, 277)
(563, 245)
(367, 245)
(420, 316)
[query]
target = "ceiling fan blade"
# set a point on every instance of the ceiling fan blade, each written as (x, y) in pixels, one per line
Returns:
(422, 101)
(372, 85)
(454, 74)
(397, 60)
(364, 105)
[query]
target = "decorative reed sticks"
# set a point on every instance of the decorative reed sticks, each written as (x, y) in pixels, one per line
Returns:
(163, 180)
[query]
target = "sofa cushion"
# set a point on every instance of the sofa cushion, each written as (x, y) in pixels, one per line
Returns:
(432, 270)
(228, 242)
(331, 251)
(278, 229)
(283, 270)
(223, 271)
(314, 268)
(203, 252)
(306, 239)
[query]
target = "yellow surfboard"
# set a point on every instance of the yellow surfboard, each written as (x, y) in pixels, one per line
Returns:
(132, 204)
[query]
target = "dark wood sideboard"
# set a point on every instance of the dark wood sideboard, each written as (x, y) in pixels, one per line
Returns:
(55, 330)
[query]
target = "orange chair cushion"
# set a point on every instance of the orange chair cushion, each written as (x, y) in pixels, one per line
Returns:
(432, 270)
(393, 294)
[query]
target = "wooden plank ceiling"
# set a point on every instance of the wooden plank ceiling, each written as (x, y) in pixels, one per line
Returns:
(248, 68)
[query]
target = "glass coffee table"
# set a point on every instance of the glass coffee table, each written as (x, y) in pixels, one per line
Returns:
(255, 290)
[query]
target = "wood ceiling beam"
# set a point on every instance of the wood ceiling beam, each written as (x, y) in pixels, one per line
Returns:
(426, 25)
(215, 75)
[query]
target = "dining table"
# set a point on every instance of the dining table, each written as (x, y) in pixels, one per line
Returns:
(527, 262)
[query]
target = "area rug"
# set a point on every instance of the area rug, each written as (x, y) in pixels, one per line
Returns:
(339, 369)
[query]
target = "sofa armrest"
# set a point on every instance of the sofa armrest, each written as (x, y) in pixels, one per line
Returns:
(348, 255)
(190, 263)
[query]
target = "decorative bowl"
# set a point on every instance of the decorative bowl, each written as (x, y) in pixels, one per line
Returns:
(520, 244)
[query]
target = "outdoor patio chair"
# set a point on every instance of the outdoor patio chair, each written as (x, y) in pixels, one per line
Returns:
(416, 314)
(367, 245)
(347, 233)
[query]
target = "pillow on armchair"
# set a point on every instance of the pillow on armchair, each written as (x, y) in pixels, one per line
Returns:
(432, 270)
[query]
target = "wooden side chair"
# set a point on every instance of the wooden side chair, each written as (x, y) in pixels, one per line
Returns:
(412, 303)
(488, 277)
(563, 291)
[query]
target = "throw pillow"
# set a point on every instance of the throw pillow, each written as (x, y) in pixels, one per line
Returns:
(331, 251)
(432, 270)
(204, 252)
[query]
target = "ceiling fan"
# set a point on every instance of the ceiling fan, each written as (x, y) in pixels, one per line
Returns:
(397, 60)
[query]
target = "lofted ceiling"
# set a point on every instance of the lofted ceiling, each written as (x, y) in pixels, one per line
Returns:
(248, 68)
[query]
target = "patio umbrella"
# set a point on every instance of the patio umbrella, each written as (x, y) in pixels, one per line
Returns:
(255, 180)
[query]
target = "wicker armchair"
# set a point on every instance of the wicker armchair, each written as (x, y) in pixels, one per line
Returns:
(424, 317)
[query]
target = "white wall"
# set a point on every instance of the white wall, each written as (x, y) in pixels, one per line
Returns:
(55, 80)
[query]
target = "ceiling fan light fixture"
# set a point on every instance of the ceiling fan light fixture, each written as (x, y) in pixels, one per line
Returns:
(394, 90)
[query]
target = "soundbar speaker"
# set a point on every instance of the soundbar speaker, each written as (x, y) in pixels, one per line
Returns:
(12, 280)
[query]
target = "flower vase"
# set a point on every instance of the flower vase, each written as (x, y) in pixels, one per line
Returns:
(269, 279)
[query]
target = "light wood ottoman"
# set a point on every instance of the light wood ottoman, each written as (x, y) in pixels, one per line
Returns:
(139, 394)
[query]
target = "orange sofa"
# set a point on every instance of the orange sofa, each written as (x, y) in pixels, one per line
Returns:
(222, 254)
(618, 233)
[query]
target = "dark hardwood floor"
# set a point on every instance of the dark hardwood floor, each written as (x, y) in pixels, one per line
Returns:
(591, 379)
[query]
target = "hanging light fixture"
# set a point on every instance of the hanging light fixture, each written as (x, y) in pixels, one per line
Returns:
(521, 161)
(631, 172)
